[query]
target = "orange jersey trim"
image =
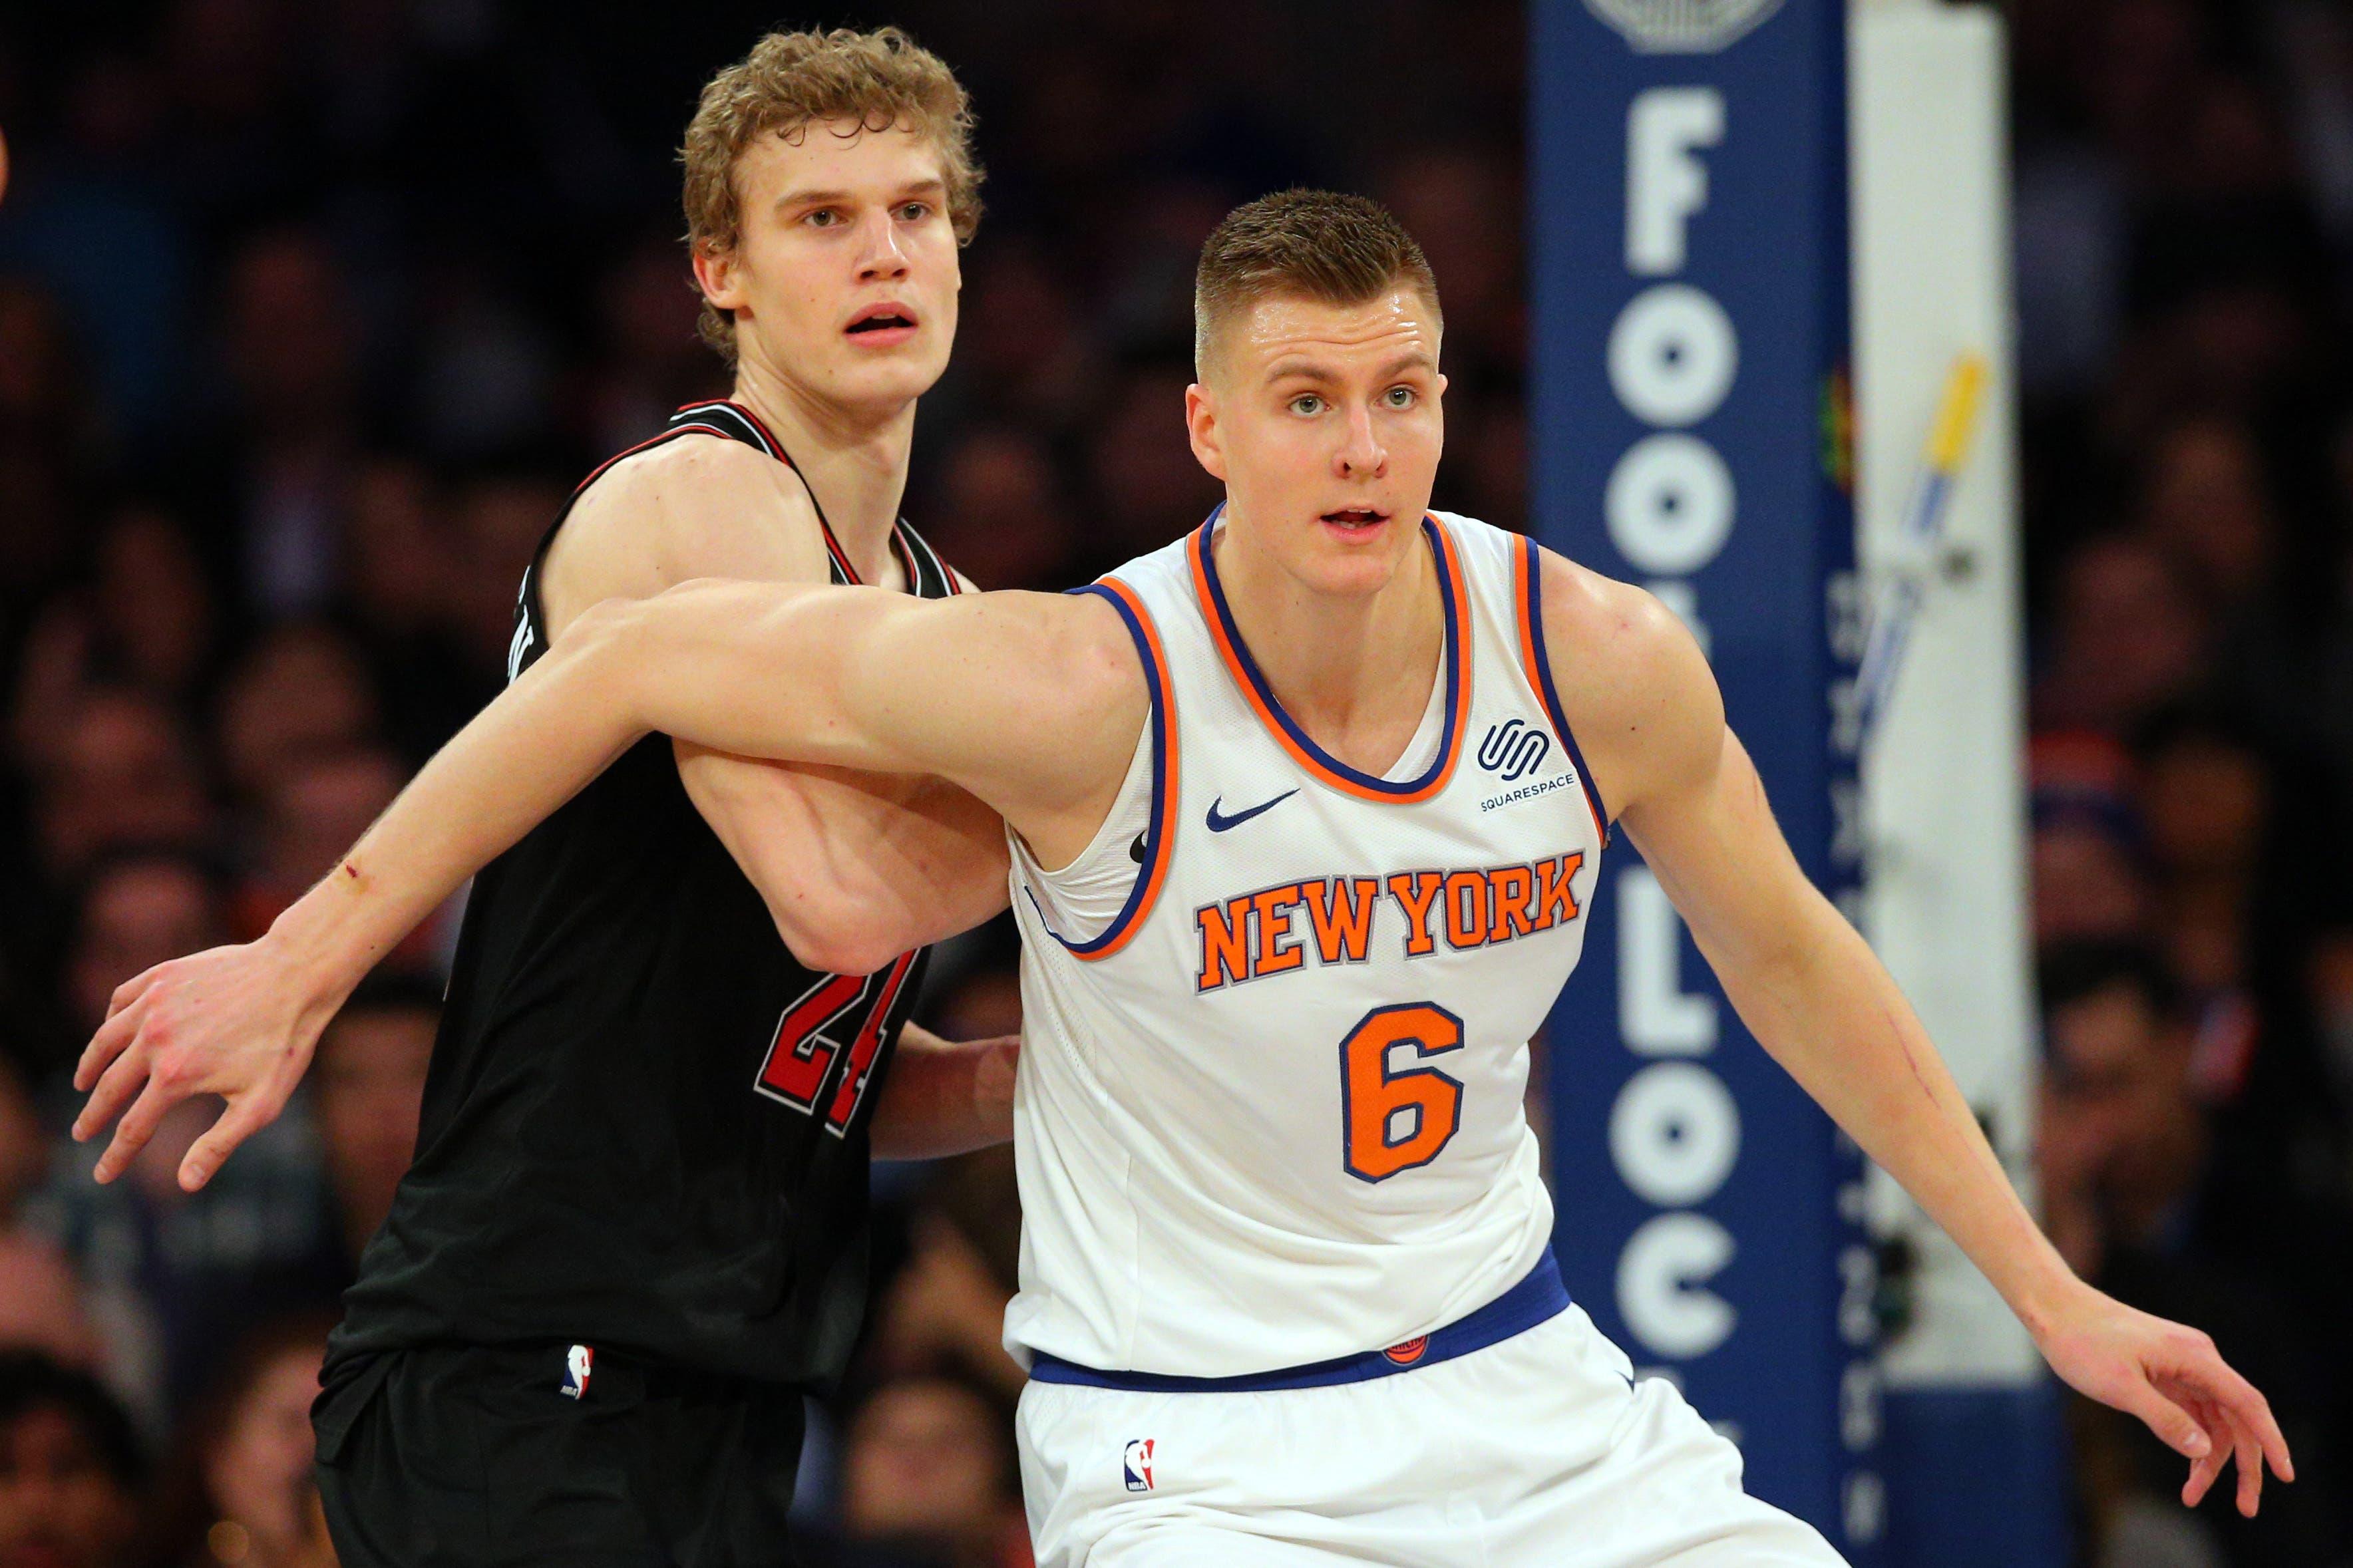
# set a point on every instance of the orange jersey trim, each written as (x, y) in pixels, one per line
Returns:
(1160, 836)
(1319, 763)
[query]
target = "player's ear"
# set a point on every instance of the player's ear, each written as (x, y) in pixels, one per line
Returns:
(715, 274)
(1201, 427)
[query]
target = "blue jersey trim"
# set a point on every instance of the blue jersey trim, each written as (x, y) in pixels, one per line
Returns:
(1457, 656)
(1157, 839)
(1552, 695)
(1539, 1297)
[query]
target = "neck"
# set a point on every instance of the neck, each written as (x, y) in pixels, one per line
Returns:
(1353, 670)
(854, 461)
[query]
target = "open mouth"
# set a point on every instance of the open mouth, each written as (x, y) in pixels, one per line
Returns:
(884, 318)
(1356, 519)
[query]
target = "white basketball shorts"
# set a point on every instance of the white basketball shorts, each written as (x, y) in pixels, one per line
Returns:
(1538, 1451)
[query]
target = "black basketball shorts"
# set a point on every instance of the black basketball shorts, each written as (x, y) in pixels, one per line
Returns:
(475, 1458)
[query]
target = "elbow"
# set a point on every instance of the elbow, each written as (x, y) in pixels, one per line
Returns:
(841, 940)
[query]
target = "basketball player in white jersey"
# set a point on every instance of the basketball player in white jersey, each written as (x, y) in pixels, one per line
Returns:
(1285, 1288)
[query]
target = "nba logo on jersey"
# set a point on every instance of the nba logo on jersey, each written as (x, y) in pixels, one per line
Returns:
(1138, 1465)
(577, 1362)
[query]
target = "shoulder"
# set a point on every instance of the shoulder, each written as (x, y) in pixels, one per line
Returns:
(1634, 686)
(696, 506)
(1077, 643)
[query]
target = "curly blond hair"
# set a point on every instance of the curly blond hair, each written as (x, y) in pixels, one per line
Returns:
(880, 79)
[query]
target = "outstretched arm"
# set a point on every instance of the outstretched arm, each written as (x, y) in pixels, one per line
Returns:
(1031, 701)
(855, 868)
(1650, 721)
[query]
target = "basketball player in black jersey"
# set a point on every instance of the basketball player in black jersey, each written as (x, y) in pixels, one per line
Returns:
(634, 1233)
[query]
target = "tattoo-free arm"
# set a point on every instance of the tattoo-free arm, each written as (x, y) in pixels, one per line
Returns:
(854, 868)
(1651, 722)
(1032, 702)
(946, 1097)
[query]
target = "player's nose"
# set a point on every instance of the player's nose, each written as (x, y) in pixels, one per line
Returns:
(881, 255)
(1361, 455)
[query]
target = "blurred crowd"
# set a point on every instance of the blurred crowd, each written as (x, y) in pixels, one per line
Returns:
(2184, 223)
(312, 312)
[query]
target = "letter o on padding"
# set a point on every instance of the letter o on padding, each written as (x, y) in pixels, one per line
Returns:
(1672, 355)
(1661, 1280)
(1674, 1134)
(1669, 504)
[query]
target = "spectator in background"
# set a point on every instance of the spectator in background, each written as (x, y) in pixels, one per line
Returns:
(144, 621)
(368, 1080)
(292, 352)
(299, 694)
(121, 774)
(2090, 860)
(2138, 1206)
(170, 1274)
(502, 513)
(1147, 487)
(2126, 638)
(928, 1480)
(1002, 518)
(653, 364)
(47, 437)
(402, 603)
(237, 1488)
(70, 1468)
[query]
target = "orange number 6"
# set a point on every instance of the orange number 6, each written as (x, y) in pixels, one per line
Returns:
(1372, 1096)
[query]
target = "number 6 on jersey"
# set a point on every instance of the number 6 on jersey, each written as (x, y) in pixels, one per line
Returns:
(1393, 1118)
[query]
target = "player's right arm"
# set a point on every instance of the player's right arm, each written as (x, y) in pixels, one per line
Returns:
(1032, 702)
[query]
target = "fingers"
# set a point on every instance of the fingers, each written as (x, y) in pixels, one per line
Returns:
(2174, 1426)
(113, 1036)
(130, 989)
(139, 1124)
(241, 1120)
(2250, 1409)
(2249, 1454)
(2204, 1472)
(124, 1078)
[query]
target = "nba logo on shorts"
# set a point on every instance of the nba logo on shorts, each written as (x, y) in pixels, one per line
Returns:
(577, 1362)
(1137, 1463)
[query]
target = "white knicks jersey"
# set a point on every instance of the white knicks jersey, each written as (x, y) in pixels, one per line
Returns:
(1276, 1016)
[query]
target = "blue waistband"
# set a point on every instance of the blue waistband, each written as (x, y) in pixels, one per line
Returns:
(1533, 1301)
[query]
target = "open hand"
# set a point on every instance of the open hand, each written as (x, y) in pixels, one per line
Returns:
(238, 1022)
(2173, 1379)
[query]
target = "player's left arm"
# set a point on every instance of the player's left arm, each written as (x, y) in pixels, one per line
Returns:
(946, 1097)
(1648, 716)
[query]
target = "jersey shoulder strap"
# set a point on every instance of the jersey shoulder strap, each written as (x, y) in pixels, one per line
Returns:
(927, 575)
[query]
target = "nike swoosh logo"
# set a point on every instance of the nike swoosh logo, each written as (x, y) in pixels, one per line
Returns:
(1219, 824)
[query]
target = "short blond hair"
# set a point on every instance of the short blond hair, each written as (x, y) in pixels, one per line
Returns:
(883, 78)
(1325, 245)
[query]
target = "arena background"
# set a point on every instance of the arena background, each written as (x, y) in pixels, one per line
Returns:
(312, 312)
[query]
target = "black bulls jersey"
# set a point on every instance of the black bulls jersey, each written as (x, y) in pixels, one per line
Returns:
(645, 1124)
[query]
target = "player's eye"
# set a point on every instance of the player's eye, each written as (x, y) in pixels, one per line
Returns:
(1401, 397)
(1306, 404)
(916, 212)
(823, 217)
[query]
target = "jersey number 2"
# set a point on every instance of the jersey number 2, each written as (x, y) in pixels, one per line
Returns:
(1394, 1117)
(800, 1060)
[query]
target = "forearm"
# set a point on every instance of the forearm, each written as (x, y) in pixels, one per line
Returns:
(520, 759)
(946, 1097)
(1829, 1012)
(855, 868)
